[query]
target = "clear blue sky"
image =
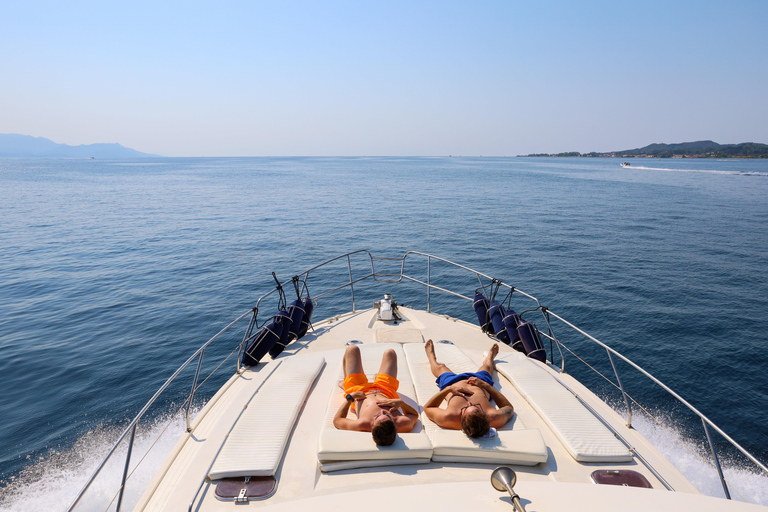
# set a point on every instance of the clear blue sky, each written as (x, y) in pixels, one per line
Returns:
(239, 78)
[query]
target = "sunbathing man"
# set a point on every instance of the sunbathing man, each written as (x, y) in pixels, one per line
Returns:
(468, 394)
(376, 404)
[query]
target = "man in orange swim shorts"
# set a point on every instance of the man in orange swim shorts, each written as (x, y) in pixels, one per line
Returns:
(378, 408)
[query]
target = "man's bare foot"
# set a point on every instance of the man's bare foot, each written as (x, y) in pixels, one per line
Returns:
(429, 347)
(492, 355)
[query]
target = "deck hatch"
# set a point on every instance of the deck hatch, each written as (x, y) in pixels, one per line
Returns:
(625, 477)
(245, 489)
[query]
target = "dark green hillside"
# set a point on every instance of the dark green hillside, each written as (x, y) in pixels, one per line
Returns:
(698, 149)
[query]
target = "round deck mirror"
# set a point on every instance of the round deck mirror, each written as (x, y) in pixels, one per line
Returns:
(503, 479)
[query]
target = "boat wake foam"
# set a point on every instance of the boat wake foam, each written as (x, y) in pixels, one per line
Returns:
(52, 482)
(707, 171)
(746, 482)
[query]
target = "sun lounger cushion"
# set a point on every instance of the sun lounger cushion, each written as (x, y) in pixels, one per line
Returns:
(357, 449)
(256, 444)
(523, 447)
(344, 449)
(424, 382)
(583, 435)
(513, 443)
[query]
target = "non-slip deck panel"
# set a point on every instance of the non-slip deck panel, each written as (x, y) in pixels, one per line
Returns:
(343, 449)
(513, 443)
(256, 444)
(399, 336)
(583, 435)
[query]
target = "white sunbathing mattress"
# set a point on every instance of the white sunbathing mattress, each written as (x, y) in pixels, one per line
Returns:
(343, 449)
(583, 435)
(256, 444)
(512, 444)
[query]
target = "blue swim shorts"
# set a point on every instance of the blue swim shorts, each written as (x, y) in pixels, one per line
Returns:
(448, 378)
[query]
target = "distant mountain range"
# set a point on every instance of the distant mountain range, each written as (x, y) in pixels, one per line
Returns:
(699, 149)
(15, 145)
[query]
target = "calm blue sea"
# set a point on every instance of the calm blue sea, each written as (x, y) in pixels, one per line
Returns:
(113, 272)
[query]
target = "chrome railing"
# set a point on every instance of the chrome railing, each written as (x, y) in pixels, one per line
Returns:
(133, 425)
(704, 420)
(484, 281)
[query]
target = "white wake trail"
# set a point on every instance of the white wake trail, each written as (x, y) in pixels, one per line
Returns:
(707, 171)
(53, 482)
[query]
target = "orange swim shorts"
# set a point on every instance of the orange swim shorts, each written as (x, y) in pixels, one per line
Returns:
(387, 384)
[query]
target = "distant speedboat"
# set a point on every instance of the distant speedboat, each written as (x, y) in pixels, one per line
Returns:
(625, 164)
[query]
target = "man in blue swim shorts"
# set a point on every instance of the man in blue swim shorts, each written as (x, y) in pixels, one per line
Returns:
(469, 408)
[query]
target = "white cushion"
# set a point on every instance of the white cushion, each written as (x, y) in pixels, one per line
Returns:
(522, 447)
(256, 444)
(345, 445)
(513, 444)
(583, 435)
(345, 449)
(424, 381)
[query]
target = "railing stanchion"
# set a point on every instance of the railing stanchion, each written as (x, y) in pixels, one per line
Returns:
(351, 286)
(429, 281)
(623, 393)
(144, 409)
(248, 331)
(194, 385)
(717, 461)
(127, 463)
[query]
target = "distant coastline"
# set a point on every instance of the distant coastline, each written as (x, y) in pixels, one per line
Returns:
(26, 146)
(699, 149)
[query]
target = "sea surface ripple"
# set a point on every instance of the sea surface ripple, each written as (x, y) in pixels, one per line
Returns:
(113, 272)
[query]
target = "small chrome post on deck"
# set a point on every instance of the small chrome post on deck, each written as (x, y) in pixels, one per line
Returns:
(503, 479)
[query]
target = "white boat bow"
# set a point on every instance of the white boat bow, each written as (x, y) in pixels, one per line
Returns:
(268, 432)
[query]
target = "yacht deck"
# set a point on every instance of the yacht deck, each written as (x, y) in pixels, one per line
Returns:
(443, 485)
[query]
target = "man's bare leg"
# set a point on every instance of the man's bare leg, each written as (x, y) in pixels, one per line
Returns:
(389, 363)
(353, 361)
(488, 364)
(437, 368)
